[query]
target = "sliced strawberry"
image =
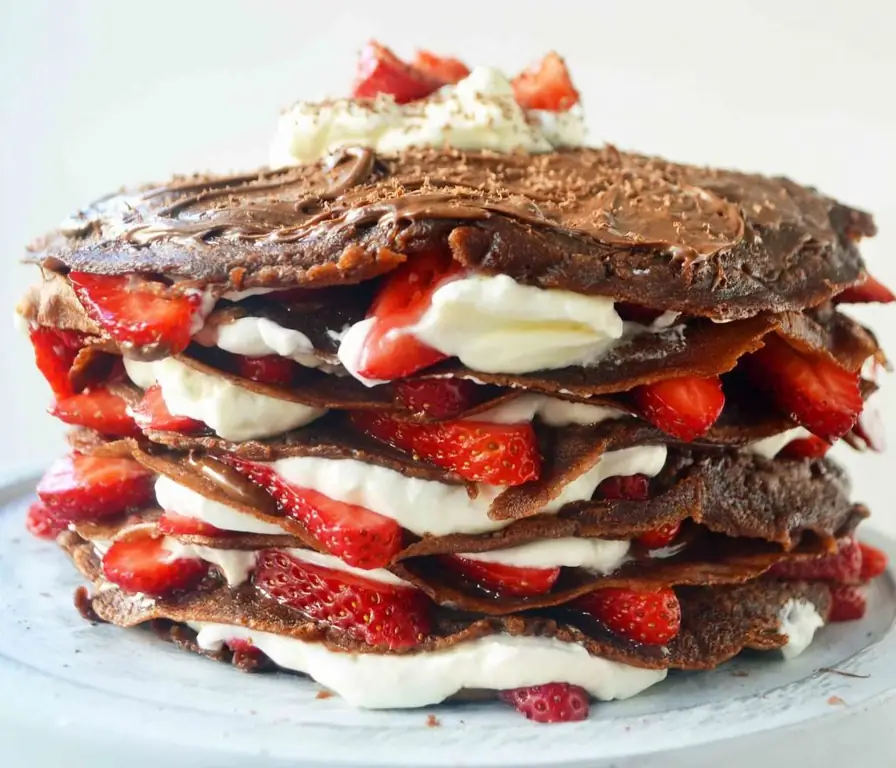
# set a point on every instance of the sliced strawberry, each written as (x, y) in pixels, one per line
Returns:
(54, 353)
(437, 398)
(379, 614)
(842, 567)
(685, 407)
(244, 651)
(100, 410)
(270, 369)
(390, 352)
(138, 313)
(354, 534)
(549, 703)
(653, 618)
(660, 537)
(173, 524)
(43, 522)
(874, 562)
(88, 487)
(812, 390)
(629, 487)
(871, 291)
(812, 447)
(152, 413)
(546, 86)
(848, 603)
(499, 454)
(441, 68)
(506, 580)
(381, 71)
(140, 563)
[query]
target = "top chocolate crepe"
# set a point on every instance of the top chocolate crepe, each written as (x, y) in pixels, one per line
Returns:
(715, 243)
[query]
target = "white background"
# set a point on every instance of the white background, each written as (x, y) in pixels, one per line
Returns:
(94, 95)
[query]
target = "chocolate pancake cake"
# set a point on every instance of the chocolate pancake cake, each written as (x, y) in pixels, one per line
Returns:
(444, 400)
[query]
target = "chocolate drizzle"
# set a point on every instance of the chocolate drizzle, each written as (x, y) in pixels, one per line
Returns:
(231, 483)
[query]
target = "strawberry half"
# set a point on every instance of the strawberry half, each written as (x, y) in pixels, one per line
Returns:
(874, 562)
(54, 353)
(871, 291)
(842, 567)
(354, 534)
(381, 71)
(99, 410)
(685, 407)
(549, 703)
(812, 447)
(172, 524)
(138, 313)
(390, 352)
(812, 390)
(848, 603)
(653, 618)
(441, 68)
(87, 487)
(43, 522)
(660, 537)
(546, 85)
(152, 413)
(379, 614)
(505, 580)
(437, 398)
(628, 487)
(499, 454)
(140, 563)
(270, 369)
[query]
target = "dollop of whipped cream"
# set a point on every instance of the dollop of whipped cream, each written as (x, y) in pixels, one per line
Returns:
(479, 112)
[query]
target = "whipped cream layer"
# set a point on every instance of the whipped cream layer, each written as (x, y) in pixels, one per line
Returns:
(386, 681)
(548, 410)
(479, 112)
(598, 555)
(799, 620)
(771, 446)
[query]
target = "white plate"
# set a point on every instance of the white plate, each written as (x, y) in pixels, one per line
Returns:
(76, 694)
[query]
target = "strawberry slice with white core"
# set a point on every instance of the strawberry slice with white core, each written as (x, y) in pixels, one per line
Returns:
(871, 291)
(379, 614)
(140, 563)
(361, 538)
(88, 488)
(390, 350)
(99, 410)
(498, 454)
(684, 407)
(137, 312)
(546, 85)
(812, 390)
(442, 68)
(437, 398)
(381, 72)
(173, 524)
(504, 580)
(152, 413)
(54, 353)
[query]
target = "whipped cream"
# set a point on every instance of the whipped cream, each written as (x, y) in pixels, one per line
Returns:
(233, 412)
(769, 447)
(479, 112)
(799, 620)
(497, 662)
(549, 410)
(598, 555)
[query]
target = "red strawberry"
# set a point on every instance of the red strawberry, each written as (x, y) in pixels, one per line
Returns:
(381, 71)
(142, 314)
(402, 299)
(499, 454)
(629, 487)
(140, 563)
(635, 313)
(54, 353)
(653, 618)
(441, 68)
(354, 534)
(842, 567)
(172, 524)
(503, 579)
(379, 614)
(437, 398)
(87, 487)
(812, 447)
(817, 393)
(549, 703)
(685, 407)
(100, 410)
(870, 291)
(243, 650)
(848, 603)
(43, 522)
(874, 562)
(660, 537)
(152, 413)
(270, 369)
(546, 86)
